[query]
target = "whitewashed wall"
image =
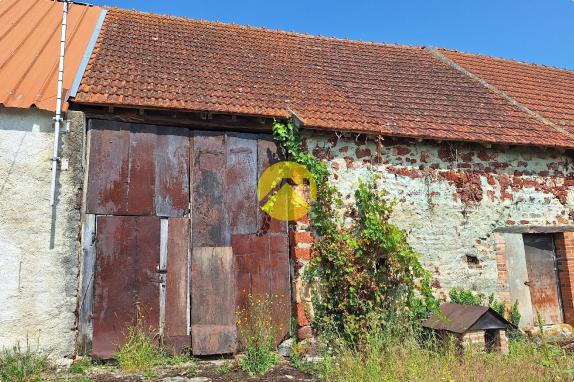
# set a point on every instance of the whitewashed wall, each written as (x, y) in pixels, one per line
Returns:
(38, 245)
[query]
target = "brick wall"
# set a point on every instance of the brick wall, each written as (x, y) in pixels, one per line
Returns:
(301, 241)
(564, 243)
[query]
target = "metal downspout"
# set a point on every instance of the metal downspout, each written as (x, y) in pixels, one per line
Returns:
(58, 117)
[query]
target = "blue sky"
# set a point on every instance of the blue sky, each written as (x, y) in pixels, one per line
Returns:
(538, 31)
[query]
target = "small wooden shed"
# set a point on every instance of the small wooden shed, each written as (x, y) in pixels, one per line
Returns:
(478, 327)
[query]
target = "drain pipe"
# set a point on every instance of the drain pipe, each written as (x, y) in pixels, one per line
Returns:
(58, 117)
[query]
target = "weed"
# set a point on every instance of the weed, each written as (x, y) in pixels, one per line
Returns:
(257, 334)
(80, 366)
(223, 369)
(140, 351)
(18, 365)
(378, 358)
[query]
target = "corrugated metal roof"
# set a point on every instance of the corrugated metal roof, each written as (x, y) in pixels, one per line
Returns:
(30, 41)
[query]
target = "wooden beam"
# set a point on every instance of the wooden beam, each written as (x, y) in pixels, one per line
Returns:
(181, 119)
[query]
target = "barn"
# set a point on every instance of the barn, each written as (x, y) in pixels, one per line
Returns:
(177, 114)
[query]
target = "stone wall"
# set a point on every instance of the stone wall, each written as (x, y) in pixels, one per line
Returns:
(451, 197)
(38, 245)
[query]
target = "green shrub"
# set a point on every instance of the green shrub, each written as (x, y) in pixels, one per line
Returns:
(464, 297)
(362, 267)
(257, 334)
(18, 365)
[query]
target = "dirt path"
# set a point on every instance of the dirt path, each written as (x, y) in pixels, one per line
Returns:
(202, 371)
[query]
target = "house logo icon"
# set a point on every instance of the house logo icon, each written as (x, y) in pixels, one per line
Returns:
(285, 191)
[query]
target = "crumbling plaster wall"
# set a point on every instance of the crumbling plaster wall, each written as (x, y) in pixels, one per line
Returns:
(38, 245)
(451, 197)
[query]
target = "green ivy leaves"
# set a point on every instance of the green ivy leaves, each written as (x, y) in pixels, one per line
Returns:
(360, 270)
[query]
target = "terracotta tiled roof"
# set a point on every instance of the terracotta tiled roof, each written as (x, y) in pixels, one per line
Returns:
(544, 90)
(146, 60)
(30, 39)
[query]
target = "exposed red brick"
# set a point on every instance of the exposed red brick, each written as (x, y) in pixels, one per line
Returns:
(362, 152)
(300, 315)
(401, 150)
(302, 253)
(484, 156)
(446, 153)
(302, 237)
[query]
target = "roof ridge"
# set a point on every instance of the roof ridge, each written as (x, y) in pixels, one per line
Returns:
(541, 66)
(328, 38)
(437, 54)
(267, 29)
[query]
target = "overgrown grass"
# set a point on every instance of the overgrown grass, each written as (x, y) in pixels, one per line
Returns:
(21, 365)
(141, 352)
(380, 357)
(257, 336)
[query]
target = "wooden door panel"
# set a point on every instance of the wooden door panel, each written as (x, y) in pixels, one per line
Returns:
(172, 172)
(137, 169)
(241, 180)
(177, 308)
(542, 277)
(209, 219)
(125, 280)
(141, 176)
(262, 268)
(108, 167)
(213, 328)
(280, 283)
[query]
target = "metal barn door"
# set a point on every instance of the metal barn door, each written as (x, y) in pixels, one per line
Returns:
(237, 251)
(180, 237)
(543, 277)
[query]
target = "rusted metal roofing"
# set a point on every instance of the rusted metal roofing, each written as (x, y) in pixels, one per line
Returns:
(153, 61)
(458, 318)
(30, 40)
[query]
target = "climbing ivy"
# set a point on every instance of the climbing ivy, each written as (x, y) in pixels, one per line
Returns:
(363, 268)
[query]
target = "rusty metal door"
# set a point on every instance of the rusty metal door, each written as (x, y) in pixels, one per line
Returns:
(126, 283)
(225, 214)
(178, 227)
(138, 169)
(543, 277)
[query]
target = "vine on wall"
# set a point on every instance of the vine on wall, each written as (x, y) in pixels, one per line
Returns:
(360, 271)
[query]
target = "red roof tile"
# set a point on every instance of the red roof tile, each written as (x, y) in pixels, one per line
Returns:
(546, 91)
(30, 39)
(145, 60)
